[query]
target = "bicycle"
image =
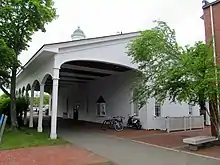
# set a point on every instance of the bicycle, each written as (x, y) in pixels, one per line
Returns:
(115, 122)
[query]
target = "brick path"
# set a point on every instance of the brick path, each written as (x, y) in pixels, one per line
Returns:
(171, 140)
(132, 133)
(54, 155)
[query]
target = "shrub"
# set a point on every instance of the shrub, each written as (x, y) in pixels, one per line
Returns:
(21, 106)
(4, 105)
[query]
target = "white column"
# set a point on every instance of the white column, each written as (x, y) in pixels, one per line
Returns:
(40, 115)
(25, 113)
(53, 133)
(31, 108)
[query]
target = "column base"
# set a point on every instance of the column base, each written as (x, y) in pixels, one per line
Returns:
(25, 122)
(31, 125)
(53, 135)
(39, 129)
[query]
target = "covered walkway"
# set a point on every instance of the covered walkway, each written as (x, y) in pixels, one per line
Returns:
(78, 74)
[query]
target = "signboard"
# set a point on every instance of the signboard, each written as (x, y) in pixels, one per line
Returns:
(3, 120)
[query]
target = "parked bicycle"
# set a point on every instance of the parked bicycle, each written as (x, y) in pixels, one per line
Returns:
(115, 123)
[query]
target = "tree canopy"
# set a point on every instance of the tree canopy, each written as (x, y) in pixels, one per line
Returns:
(170, 71)
(19, 20)
(37, 100)
(7, 60)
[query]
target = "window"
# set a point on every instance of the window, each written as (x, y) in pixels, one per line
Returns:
(157, 109)
(190, 109)
(101, 109)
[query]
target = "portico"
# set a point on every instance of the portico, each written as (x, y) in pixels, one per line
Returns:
(76, 74)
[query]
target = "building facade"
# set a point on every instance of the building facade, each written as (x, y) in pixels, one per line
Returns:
(211, 19)
(93, 78)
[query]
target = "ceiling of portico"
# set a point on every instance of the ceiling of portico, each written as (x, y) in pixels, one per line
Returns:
(85, 71)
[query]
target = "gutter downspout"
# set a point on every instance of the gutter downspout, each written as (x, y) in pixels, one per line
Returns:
(213, 37)
(215, 59)
(214, 48)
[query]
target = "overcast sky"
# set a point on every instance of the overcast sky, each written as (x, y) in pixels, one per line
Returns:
(106, 17)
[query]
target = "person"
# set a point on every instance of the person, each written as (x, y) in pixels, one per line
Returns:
(75, 114)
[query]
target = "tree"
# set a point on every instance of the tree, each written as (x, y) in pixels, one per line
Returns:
(169, 71)
(155, 51)
(37, 100)
(46, 99)
(19, 20)
(7, 60)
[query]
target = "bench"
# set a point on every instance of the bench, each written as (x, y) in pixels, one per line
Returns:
(199, 141)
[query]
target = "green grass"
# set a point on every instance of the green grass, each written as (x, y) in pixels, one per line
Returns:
(26, 138)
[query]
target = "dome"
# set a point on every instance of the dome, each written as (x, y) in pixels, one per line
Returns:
(78, 34)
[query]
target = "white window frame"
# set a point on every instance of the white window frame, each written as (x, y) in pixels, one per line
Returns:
(190, 109)
(157, 109)
(99, 109)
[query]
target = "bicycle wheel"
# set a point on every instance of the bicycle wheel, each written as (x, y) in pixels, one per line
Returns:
(118, 126)
(103, 124)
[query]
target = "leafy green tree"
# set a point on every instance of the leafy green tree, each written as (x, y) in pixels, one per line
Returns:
(169, 71)
(37, 100)
(19, 20)
(7, 60)
(46, 99)
(155, 51)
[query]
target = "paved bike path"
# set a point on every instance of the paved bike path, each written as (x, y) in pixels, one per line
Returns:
(127, 152)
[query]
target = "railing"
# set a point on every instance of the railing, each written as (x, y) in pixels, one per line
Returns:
(160, 123)
(178, 123)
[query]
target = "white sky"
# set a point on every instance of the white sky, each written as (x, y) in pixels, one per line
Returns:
(106, 17)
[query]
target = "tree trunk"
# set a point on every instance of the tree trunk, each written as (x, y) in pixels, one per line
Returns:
(203, 109)
(213, 116)
(14, 122)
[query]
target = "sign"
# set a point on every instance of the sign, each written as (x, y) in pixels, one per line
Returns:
(3, 120)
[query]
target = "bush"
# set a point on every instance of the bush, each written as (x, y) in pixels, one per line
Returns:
(21, 106)
(4, 105)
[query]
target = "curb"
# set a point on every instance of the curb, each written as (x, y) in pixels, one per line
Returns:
(165, 148)
(175, 150)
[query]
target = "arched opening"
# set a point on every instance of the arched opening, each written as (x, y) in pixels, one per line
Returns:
(19, 92)
(27, 98)
(48, 83)
(22, 92)
(83, 83)
(35, 88)
(28, 87)
(28, 93)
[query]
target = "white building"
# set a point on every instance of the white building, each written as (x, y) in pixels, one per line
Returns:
(77, 73)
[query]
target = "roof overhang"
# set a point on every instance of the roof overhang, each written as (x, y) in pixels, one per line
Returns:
(55, 47)
(211, 4)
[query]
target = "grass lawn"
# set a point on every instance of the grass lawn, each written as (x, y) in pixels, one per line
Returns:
(26, 138)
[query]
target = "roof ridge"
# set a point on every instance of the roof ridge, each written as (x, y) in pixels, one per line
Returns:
(208, 4)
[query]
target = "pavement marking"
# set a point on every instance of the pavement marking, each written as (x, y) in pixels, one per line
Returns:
(154, 145)
(166, 148)
(175, 150)
(200, 155)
